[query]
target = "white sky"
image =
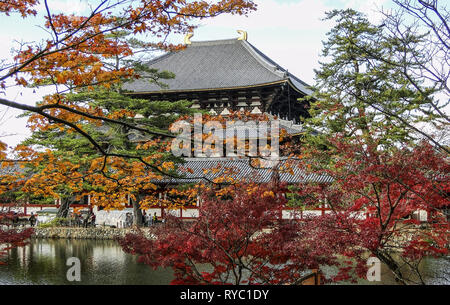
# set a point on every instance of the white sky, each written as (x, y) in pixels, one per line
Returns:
(290, 32)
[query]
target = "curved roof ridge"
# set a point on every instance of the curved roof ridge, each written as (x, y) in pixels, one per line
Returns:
(263, 60)
(277, 66)
(159, 58)
(216, 64)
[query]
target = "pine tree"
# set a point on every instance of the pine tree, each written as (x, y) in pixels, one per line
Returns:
(362, 89)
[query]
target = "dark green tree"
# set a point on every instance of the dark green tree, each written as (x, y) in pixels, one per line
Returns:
(364, 91)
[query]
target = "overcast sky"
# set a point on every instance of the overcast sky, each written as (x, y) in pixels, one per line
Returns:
(290, 32)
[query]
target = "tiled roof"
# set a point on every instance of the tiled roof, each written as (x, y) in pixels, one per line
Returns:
(242, 131)
(13, 169)
(208, 169)
(10, 168)
(216, 64)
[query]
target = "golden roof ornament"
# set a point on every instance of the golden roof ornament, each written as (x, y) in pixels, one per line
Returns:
(243, 35)
(187, 38)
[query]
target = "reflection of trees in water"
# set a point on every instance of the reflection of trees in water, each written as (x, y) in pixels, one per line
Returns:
(102, 262)
(434, 271)
(45, 262)
(27, 264)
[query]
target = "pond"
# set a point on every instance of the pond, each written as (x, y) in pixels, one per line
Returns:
(103, 262)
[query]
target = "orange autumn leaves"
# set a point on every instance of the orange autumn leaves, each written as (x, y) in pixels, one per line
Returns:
(79, 43)
(80, 50)
(3, 148)
(77, 55)
(24, 7)
(108, 182)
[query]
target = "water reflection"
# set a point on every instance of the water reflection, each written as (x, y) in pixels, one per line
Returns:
(434, 271)
(102, 262)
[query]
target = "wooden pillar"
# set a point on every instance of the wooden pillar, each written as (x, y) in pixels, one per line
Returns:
(25, 207)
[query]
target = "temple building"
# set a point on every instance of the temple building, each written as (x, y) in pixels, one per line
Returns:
(221, 77)
(224, 76)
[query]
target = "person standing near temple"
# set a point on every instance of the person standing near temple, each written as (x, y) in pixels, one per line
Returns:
(144, 218)
(32, 220)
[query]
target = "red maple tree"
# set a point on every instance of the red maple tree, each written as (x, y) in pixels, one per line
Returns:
(374, 201)
(11, 238)
(238, 238)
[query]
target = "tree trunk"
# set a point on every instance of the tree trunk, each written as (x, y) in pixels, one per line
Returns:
(137, 212)
(63, 210)
(392, 265)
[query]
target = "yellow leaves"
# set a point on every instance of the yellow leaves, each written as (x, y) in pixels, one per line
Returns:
(256, 162)
(168, 166)
(287, 168)
(21, 81)
(77, 210)
(3, 147)
(148, 144)
(252, 189)
(62, 77)
(225, 179)
(23, 7)
(24, 152)
(269, 194)
(108, 201)
(224, 192)
(149, 186)
(96, 164)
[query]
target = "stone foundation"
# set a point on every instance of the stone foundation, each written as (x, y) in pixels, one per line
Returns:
(85, 233)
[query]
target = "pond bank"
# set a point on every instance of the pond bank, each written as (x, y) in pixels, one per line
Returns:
(102, 233)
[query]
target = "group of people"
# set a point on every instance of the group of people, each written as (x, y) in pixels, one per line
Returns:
(148, 220)
(76, 219)
(86, 220)
(83, 220)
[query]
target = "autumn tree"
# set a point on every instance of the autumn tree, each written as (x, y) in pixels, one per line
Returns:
(64, 170)
(67, 166)
(368, 107)
(368, 81)
(86, 59)
(74, 54)
(11, 238)
(238, 238)
(374, 198)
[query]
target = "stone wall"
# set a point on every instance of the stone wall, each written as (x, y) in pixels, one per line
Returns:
(85, 233)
